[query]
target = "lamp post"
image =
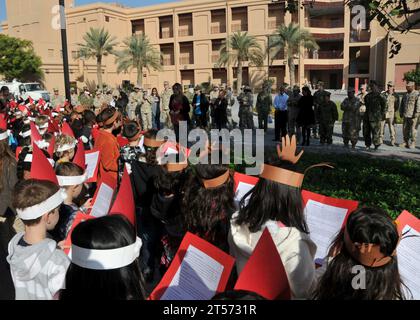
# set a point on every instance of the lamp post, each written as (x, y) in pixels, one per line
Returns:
(64, 49)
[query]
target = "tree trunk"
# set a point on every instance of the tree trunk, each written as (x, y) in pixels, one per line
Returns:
(99, 72)
(140, 76)
(292, 71)
(239, 77)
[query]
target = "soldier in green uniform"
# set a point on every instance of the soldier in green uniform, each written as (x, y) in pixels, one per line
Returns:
(392, 106)
(375, 113)
(351, 118)
(410, 112)
(74, 97)
(246, 103)
(134, 101)
(264, 103)
(293, 112)
(319, 98)
(56, 99)
(146, 111)
(165, 97)
(327, 115)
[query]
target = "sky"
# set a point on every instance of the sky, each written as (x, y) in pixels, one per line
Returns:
(131, 3)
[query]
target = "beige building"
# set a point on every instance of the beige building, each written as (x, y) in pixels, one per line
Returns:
(189, 34)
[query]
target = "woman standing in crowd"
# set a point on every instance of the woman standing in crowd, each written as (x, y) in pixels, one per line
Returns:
(306, 116)
(179, 107)
(155, 109)
(220, 108)
(200, 106)
(107, 143)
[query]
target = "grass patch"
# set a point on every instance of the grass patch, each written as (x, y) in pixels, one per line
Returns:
(389, 184)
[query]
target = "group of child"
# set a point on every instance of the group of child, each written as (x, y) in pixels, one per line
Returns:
(110, 258)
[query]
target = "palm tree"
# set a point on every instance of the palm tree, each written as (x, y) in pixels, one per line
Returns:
(241, 47)
(139, 54)
(98, 43)
(291, 39)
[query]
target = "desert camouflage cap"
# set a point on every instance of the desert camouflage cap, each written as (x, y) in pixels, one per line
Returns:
(410, 84)
(390, 84)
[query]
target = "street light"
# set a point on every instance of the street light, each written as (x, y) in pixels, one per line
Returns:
(64, 49)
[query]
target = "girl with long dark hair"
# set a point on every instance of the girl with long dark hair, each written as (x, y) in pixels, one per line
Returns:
(306, 116)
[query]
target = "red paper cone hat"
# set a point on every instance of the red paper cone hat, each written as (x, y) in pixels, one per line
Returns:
(41, 168)
(124, 203)
(35, 133)
(80, 157)
(65, 129)
(53, 126)
(51, 147)
(264, 272)
(122, 141)
(3, 122)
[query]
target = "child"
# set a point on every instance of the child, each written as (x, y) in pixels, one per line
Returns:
(24, 137)
(89, 120)
(38, 268)
(64, 148)
(276, 203)
(208, 204)
(24, 163)
(327, 115)
(383, 282)
(8, 177)
(71, 178)
(104, 261)
(41, 122)
(134, 151)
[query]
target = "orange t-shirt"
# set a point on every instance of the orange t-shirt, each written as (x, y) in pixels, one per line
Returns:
(108, 145)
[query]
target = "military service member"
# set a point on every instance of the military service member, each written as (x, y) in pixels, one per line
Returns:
(293, 112)
(351, 119)
(56, 99)
(319, 98)
(165, 97)
(98, 101)
(410, 112)
(392, 106)
(246, 103)
(327, 116)
(74, 97)
(264, 103)
(375, 113)
(146, 111)
(134, 102)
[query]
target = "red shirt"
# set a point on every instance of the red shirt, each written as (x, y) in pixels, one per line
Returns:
(108, 145)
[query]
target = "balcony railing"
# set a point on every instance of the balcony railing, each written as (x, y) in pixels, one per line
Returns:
(184, 31)
(165, 34)
(186, 60)
(359, 36)
(324, 54)
(314, 23)
(239, 27)
(218, 28)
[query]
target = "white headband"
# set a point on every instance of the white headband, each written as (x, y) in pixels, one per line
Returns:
(31, 119)
(107, 259)
(4, 135)
(43, 126)
(26, 121)
(44, 207)
(66, 181)
(42, 144)
(25, 134)
(29, 158)
(66, 147)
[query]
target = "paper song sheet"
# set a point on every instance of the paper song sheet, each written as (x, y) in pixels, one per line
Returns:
(102, 202)
(324, 222)
(242, 190)
(197, 277)
(91, 163)
(408, 255)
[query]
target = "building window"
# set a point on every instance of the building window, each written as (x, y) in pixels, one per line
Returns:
(106, 18)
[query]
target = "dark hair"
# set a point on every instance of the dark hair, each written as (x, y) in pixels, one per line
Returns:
(26, 166)
(29, 193)
(6, 159)
(89, 118)
(131, 129)
(206, 211)
(238, 295)
(168, 183)
(157, 92)
(105, 115)
(151, 152)
(365, 225)
(25, 142)
(126, 283)
(270, 200)
(68, 169)
(47, 136)
(307, 90)
(77, 127)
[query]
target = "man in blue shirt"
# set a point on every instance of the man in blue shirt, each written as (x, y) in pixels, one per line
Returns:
(280, 121)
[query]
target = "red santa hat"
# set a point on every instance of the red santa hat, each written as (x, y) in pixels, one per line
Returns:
(36, 137)
(264, 272)
(67, 130)
(51, 147)
(124, 203)
(41, 168)
(80, 157)
(53, 126)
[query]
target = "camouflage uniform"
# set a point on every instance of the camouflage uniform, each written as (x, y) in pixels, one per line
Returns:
(165, 117)
(98, 101)
(362, 97)
(231, 101)
(74, 99)
(214, 94)
(134, 101)
(351, 120)
(293, 112)
(392, 106)
(264, 103)
(319, 97)
(410, 111)
(375, 113)
(327, 114)
(57, 100)
(146, 113)
(246, 103)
